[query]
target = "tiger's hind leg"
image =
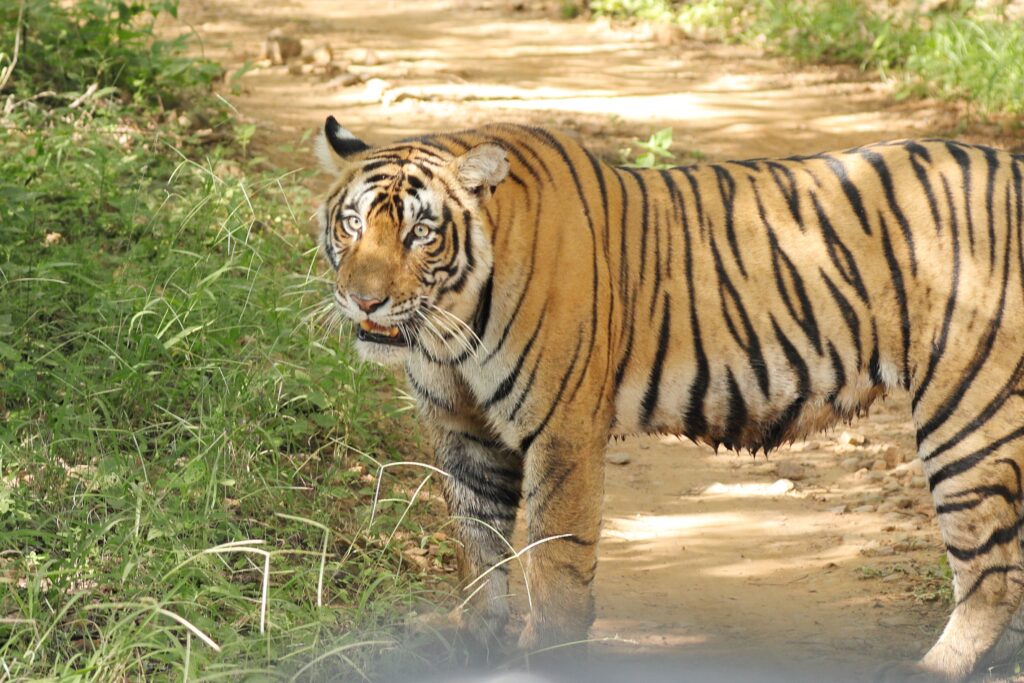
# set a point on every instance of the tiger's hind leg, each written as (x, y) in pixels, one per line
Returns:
(974, 471)
(1011, 644)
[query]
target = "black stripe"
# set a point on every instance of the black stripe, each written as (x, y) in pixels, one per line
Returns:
(429, 396)
(528, 440)
(748, 341)
(838, 372)
(901, 298)
(1002, 569)
(1000, 536)
(736, 419)
(918, 151)
(727, 193)
(838, 252)
(483, 309)
(650, 400)
(877, 162)
(968, 462)
(506, 385)
(788, 277)
(786, 182)
(964, 162)
(775, 434)
(992, 166)
(978, 420)
(983, 493)
(850, 190)
(939, 345)
(849, 315)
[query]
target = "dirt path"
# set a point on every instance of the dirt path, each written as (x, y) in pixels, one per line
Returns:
(701, 558)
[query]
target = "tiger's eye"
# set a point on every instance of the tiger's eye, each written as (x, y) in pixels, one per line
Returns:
(353, 225)
(420, 231)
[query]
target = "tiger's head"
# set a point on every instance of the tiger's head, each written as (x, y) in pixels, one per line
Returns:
(403, 229)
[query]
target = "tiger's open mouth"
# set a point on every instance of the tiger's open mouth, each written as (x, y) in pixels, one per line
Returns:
(370, 331)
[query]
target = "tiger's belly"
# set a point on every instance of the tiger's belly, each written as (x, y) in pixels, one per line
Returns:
(728, 404)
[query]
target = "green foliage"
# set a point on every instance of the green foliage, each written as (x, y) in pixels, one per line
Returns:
(569, 9)
(66, 47)
(171, 425)
(951, 53)
(654, 10)
(980, 61)
(653, 151)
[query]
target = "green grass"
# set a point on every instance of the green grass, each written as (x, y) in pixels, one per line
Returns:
(174, 421)
(959, 54)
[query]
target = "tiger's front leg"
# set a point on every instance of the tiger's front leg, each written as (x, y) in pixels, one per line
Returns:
(564, 489)
(482, 490)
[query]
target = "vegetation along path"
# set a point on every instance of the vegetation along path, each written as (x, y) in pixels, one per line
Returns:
(824, 554)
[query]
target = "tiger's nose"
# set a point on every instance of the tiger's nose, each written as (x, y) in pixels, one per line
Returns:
(367, 304)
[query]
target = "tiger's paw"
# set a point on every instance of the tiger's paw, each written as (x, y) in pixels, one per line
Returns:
(908, 672)
(483, 636)
(541, 636)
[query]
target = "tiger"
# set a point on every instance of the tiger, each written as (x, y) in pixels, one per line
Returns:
(543, 301)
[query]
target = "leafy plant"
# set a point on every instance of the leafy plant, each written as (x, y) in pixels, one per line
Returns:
(67, 47)
(653, 152)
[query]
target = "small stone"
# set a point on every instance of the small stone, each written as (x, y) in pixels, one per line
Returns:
(322, 55)
(892, 456)
(278, 48)
(860, 474)
(875, 476)
(343, 81)
(618, 458)
(904, 503)
(367, 57)
(787, 469)
(376, 87)
(864, 508)
(910, 456)
(850, 464)
(917, 483)
(876, 549)
(781, 486)
(418, 556)
(852, 439)
(878, 466)
(668, 34)
(887, 506)
(840, 509)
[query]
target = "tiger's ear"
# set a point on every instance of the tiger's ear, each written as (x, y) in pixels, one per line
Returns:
(335, 144)
(482, 168)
